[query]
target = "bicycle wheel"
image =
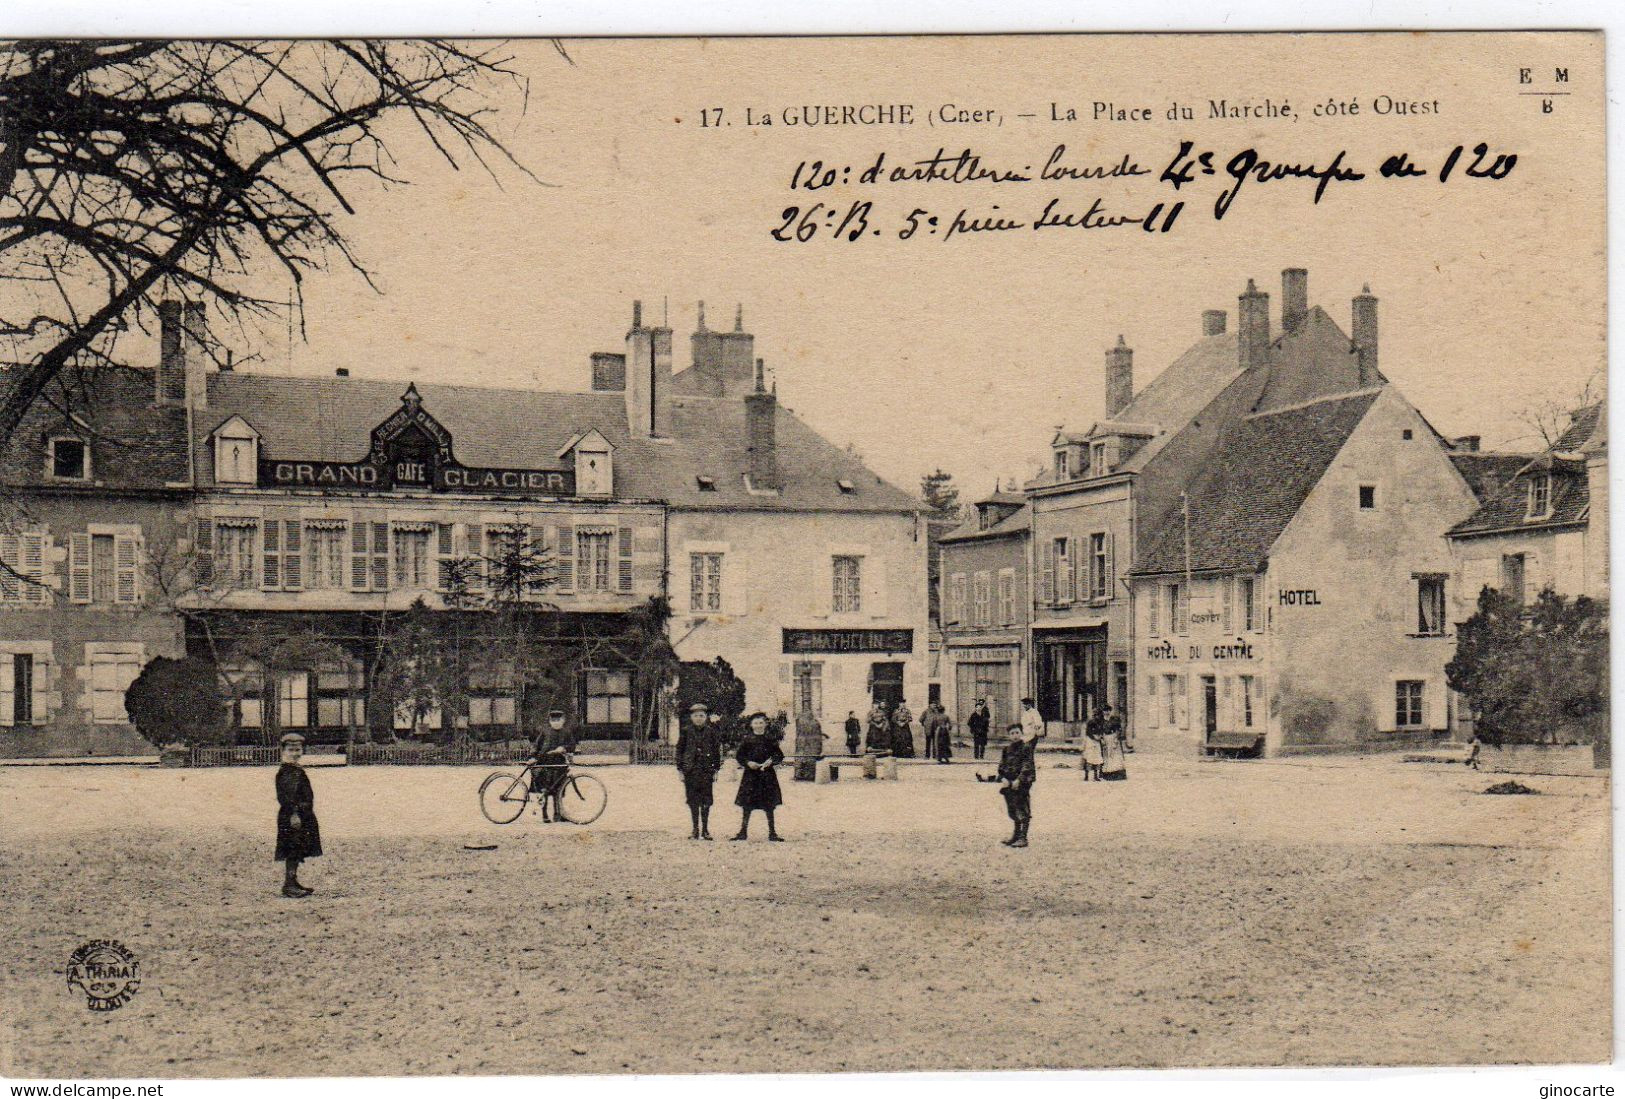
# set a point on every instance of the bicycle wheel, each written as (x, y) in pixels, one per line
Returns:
(503, 796)
(582, 800)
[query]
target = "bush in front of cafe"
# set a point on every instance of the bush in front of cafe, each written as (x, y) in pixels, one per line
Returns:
(178, 702)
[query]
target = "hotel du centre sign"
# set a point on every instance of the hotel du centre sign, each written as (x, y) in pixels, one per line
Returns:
(412, 450)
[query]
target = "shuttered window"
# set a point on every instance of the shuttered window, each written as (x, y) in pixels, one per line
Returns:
(566, 558)
(22, 568)
(623, 573)
(1227, 599)
(1153, 610)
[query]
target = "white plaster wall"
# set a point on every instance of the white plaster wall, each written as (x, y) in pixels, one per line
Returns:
(777, 574)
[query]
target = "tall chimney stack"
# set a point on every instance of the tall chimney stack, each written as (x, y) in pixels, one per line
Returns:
(1294, 298)
(196, 364)
(170, 384)
(1213, 322)
(1365, 336)
(1119, 377)
(660, 384)
(761, 412)
(1253, 324)
(640, 371)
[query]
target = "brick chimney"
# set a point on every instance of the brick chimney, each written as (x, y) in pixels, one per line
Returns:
(761, 412)
(1365, 336)
(181, 378)
(1253, 325)
(1213, 322)
(648, 378)
(1294, 298)
(608, 371)
(1119, 377)
(722, 360)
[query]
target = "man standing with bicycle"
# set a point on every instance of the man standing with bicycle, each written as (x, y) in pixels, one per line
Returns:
(552, 757)
(699, 758)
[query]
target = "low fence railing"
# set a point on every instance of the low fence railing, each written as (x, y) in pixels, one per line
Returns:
(428, 754)
(235, 757)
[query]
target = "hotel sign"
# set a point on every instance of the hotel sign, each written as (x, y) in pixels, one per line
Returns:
(412, 449)
(848, 641)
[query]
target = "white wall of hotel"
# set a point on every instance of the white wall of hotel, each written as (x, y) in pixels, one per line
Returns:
(1340, 631)
(777, 573)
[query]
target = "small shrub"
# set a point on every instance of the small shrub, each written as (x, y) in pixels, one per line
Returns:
(178, 702)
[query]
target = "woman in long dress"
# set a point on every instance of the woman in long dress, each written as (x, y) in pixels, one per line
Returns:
(1113, 766)
(758, 754)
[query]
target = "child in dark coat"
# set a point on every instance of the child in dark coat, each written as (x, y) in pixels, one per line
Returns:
(298, 836)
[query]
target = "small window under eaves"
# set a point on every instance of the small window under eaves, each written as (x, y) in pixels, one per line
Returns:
(707, 484)
(847, 487)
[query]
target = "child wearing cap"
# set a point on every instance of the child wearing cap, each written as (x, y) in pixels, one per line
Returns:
(699, 758)
(298, 837)
(1019, 772)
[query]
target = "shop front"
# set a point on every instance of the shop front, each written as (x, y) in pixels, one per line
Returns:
(1074, 678)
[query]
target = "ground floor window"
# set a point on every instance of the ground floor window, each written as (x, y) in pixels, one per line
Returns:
(1409, 712)
(1248, 688)
(609, 697)
(491, 696)
(293, 700)
(339, 699)
(17, 691)
(110, 676)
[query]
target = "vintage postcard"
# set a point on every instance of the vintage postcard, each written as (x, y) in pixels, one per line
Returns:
(743, 555)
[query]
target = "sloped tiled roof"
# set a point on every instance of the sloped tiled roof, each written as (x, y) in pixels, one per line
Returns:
(1171, 399)
(134, 444)
(1018, 522)
(331, 419)
(1253, 486)
(1507, 509)
(1315, 360)
(1486, 473)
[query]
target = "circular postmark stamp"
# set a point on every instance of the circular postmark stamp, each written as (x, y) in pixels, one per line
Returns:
(106, 971)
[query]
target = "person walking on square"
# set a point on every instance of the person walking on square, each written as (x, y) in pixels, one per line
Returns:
(1094, 746)
(758, 754)
(1113, 762)
(699, 758)
(879, 728)
(854, 733)
(1019, 772)
(978, 722)
(298, 836)
(1474, 750)
(902, 731)
(938, 733)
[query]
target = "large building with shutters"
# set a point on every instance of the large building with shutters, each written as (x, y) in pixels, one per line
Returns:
(300, 532)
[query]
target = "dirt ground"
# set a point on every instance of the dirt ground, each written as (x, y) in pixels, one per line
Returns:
(1201, 914)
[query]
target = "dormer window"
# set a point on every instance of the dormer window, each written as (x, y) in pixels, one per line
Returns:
(236, 453)
(706, 484)
(69, 459)
(847, 487)
(1540, 496)
(1061, 467)
(595, 464)
(1097, 459)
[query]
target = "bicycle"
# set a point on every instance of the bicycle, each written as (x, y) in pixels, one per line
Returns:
(504, 795)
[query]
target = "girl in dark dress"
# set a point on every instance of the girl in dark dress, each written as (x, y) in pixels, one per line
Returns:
(758, 784)
(298, 837)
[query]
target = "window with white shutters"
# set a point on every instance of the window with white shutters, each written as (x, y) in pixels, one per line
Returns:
(1249, 603)
(1099, 568)
(961, 600)
(445, 552)
(22, 568)
(1007, 597)
(474, 549)
(1063, 572)
(380, 557)
(1153, 610)
(983, 599)
(110, 676)
(1227, 600)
